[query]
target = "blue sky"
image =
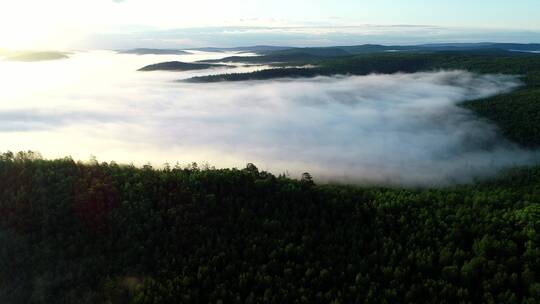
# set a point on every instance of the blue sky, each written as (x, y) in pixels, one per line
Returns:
(521, 14)
(108, 23)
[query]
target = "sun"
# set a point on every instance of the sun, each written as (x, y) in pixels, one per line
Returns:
(27, 25)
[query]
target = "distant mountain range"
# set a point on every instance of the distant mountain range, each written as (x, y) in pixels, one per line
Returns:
(485, 45)
(247, 49)
(283, 55)
(374, 48)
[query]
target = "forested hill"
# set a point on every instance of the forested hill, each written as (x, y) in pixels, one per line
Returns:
(33, 56)
(106, 233)
(179, 66)
(385, 63)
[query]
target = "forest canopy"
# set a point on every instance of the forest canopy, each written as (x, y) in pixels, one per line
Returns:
(106, 233)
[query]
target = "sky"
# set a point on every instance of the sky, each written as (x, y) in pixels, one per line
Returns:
(120, 23)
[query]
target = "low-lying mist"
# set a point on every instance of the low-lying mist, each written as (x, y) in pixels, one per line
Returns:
(402, 129)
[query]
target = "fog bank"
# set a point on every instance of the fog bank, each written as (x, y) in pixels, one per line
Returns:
(402, 129)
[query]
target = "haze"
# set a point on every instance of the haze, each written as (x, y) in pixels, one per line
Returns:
(81, 24)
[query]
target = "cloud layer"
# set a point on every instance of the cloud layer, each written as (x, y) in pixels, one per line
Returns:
(401, 129)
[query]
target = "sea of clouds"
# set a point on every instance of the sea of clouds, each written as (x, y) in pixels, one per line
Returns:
(401, 129)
